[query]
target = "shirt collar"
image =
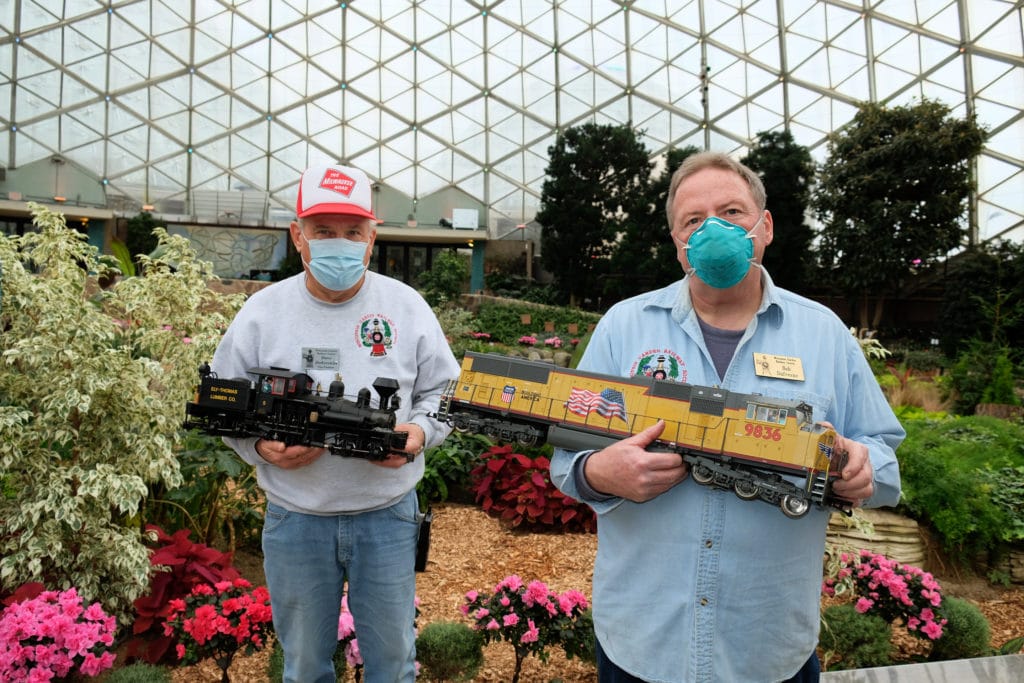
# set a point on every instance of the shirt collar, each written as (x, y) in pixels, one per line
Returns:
(676, 297)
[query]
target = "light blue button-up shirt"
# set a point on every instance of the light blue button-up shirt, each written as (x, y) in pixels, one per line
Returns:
(697, 584)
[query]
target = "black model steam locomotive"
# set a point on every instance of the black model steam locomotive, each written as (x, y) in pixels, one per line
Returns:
(282, 405)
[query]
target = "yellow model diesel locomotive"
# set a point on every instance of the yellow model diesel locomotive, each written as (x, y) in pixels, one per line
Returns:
(759, 447)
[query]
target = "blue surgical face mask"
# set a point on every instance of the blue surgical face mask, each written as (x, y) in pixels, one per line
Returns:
(720, 252)
(336, 263)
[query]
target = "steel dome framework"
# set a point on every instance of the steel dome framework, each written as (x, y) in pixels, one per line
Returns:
(165, 99)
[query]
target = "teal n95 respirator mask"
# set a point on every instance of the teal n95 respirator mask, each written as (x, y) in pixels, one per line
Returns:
(337, 263)
(720, 253)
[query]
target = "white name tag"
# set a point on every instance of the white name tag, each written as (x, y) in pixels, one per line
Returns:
(778, 367)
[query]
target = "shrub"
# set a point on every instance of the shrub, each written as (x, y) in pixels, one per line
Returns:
(449, 651)
(983, 373)
(217, 621)
(943, 467)
(53, 635)
(218, 500)
(444, 281)
(1006, 487)
(504, 320)
(893, 591)
(180, 565)
(903, 388)
(858, 641)
(581, 641)
(924, 360)
(447, 468)
(517, 488)
(93, 384)
(518, 287)
(458, 325)
(967, 632)
(528, 616)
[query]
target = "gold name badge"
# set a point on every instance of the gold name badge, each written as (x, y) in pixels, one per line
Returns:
(779, 367)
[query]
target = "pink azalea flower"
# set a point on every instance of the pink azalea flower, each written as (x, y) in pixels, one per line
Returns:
(53, 635)
(932, 630)
(531, 617)
(896, 592)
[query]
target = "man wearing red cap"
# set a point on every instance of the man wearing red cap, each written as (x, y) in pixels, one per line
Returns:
(329, 519)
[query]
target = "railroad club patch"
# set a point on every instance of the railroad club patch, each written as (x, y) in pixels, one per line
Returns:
(376, 333)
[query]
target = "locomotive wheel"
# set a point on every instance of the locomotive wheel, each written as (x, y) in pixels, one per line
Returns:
(747, 490)
(794, 506)
(702, 474)
(461, 425)
(526, 438)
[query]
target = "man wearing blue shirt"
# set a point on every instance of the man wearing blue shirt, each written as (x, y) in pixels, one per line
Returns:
(691, 583)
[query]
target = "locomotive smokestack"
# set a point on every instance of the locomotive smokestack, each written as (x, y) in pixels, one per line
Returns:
(386, 388)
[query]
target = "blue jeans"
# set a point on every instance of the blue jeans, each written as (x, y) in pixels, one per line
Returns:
(608, 672)
(308, 559)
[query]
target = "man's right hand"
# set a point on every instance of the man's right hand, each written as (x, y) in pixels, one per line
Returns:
(628, 470)
(287, 457)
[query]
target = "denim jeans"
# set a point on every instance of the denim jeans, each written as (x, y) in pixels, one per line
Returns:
(308, 559)
(608, 672)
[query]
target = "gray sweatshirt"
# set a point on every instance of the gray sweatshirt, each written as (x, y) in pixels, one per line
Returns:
(385, 330)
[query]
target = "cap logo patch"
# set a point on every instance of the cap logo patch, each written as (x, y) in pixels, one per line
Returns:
(336, 181)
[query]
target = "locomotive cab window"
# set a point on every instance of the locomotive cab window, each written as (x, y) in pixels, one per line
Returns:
(275, 385)
(761, 413)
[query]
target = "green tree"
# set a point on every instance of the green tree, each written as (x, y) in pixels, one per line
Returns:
(140, 238)
(787, 171)
(892, 197)
(983, 297)
(645, 258)
(445, 280)
(93, 385)
(597, 178)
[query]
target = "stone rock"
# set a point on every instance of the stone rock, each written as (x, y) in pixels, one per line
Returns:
(895, 536)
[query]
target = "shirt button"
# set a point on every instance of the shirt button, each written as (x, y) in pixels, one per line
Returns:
(703, 601)
(708, 543)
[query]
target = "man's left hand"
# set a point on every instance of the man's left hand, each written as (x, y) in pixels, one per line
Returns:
(857, 482)
(413, 446)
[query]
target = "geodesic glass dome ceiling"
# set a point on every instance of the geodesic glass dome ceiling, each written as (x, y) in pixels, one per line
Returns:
(167, 99)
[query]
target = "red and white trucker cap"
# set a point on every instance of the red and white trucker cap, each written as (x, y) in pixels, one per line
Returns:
(328, 188)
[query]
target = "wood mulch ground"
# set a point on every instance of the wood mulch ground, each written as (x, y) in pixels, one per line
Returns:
(470, 550)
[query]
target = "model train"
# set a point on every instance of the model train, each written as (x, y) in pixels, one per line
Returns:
(753, 445)
(282, 405)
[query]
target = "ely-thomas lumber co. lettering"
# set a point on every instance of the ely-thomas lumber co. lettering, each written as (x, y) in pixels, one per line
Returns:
(228, 394)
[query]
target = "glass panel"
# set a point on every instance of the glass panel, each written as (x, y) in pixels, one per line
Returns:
(394, 261)
(417, 263)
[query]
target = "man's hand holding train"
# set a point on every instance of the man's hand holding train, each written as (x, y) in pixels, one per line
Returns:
(287, 457)
(628, 470)
(858, 481)
(413, 446)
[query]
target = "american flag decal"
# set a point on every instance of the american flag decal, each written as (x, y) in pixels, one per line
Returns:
(507, 393)
(825, 449)
(609, 403)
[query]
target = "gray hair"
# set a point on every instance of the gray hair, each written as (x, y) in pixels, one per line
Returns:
(702, 160)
